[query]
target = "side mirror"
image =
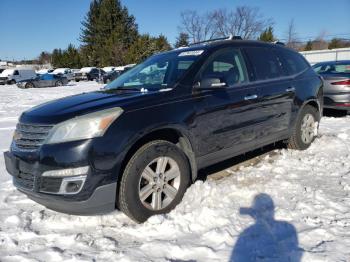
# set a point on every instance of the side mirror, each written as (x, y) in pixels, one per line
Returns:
(210, 83)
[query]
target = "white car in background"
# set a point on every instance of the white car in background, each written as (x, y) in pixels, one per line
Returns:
(12, 76)
(44, 71)
(108, 69)
(66, 72)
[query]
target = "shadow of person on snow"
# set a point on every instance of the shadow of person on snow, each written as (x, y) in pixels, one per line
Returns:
(268, 239)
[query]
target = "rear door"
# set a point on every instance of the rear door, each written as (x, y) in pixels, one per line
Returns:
(225, 101)
(276, 92)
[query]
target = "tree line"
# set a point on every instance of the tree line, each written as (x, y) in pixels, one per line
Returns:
(110, 36)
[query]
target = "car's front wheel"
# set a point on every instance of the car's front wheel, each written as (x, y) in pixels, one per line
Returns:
(154, 180)
(305, 129)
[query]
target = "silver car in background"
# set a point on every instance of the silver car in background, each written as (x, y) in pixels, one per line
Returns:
(45, 80)
(336, 75)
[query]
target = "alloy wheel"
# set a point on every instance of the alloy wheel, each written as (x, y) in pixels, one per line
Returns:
(159, 183)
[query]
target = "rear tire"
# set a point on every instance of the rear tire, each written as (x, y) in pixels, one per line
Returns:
(59, 83)
(154, 180)
(305, 129)
(29, 85)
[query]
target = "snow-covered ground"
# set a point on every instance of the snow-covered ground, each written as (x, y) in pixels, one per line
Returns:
(310, 191)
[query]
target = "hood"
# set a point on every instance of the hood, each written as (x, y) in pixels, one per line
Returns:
(65, 108)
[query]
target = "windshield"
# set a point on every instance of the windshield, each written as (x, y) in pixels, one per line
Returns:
(157, 72)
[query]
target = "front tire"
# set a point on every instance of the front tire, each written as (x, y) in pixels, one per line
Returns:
(305, 129)
(154, 180)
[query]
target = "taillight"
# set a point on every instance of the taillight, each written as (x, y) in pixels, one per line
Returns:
(343, 83)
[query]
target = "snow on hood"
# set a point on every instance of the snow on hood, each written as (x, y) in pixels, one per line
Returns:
(86, 69)
(7, 72)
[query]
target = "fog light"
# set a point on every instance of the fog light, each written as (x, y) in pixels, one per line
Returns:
(72, 185)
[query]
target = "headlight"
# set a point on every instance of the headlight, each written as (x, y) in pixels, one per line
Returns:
(84, 127)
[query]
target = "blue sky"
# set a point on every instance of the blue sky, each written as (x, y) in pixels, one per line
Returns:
(31, 26)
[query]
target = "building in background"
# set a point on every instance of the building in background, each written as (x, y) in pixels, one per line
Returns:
(316, 56)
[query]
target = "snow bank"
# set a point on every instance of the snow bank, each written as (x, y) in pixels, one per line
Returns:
(310, 193)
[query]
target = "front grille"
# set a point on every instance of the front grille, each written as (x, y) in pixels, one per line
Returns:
(78, 74)
(3, 78)
(30, 136)
(50, 184)
(24, 180)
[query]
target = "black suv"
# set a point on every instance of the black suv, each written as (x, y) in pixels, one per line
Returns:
(137, 144)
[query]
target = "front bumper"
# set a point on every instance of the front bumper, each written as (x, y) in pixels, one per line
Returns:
(101, 201)
(98, 194)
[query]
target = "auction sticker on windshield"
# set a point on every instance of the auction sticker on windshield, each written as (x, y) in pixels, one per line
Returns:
(191, 53)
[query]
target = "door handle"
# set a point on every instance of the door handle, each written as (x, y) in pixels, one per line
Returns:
(290, 89)
(250, 97)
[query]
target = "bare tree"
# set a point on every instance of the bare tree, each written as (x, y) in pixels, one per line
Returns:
(320, 43)
(291, 35)
(243, 21)
(196, 26)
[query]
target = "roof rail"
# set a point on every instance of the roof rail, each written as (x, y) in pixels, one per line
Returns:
(279, 43)
(231, 37)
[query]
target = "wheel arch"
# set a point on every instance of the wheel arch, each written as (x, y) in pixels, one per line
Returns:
(173, 134)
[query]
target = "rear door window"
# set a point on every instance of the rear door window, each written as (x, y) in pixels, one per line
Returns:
(292, 62)
(264, 62)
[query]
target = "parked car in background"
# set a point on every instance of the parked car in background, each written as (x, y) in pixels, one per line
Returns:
(89, 73)
(117, 71)
(108, 69)
(44, 80)
(138, 143)
(336, 75)
(12, 76)
(44, 71)
(110, 76)
(66, 72)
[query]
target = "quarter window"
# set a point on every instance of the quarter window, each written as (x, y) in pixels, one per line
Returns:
(293, 62)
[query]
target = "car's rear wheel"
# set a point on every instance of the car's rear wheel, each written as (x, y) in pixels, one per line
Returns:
(154, 180)
(29, 85)
(59, 83)
(306, 129)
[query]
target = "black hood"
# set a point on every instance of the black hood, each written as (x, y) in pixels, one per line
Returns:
(65, 108)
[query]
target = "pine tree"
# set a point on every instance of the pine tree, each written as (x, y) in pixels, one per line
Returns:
(335, 43)
(308, 46)
(182, 40)
(108, 31)
(57, 58)
(267, 35)
(162, 43)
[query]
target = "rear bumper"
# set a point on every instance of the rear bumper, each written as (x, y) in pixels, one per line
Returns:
(81, 78)
(339, 101)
